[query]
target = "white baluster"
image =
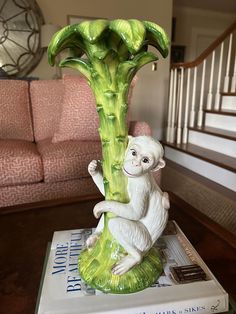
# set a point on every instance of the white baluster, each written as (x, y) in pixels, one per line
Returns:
(226, 80)
(209, 96)
(179, 128)
(177, 101)
(200, 110)
(233, 82)
(185, 128)
(217, 98)
(192, 112)
(170, 106)
(172, 128)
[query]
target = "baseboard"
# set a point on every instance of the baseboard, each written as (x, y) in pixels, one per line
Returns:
(49, 203)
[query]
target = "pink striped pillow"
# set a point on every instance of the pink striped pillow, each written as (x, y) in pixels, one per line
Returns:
(79, 118)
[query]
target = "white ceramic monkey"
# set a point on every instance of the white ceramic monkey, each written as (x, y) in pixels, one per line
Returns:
(138, 224)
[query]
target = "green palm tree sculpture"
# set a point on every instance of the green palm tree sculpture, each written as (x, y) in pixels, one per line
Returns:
(113, 52)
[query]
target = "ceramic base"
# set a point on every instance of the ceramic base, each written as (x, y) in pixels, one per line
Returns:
(95, 267)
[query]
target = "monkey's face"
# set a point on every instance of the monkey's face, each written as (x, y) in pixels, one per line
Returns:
(138, 161)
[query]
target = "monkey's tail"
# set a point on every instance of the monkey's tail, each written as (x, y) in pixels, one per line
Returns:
(165, 200)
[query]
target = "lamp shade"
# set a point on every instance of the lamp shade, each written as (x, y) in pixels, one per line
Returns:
(47, 31)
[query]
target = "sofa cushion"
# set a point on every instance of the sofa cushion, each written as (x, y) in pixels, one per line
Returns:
(67, 160)
(15, 117)
(19, 163)
(79, 118)
(46, 98)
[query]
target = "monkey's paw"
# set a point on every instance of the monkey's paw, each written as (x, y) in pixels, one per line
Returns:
(165, 200)
(124, 265)
(92, 168)
(92, 240)
(100, 208)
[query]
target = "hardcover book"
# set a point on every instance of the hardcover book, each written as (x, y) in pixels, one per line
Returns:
(185, 286)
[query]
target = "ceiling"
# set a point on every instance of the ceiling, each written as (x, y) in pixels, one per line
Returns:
(228, 6)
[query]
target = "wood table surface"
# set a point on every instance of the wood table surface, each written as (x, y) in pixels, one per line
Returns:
(26, 231)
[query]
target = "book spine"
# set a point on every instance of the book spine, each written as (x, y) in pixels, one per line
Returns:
(216, 304)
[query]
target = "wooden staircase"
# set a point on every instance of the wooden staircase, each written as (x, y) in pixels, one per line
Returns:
(201, 126)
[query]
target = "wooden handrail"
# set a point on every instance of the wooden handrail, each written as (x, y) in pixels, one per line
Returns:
(208, 51)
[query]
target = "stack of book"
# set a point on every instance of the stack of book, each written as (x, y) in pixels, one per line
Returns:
(186, 285)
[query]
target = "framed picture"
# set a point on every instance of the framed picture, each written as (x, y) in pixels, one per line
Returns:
(74, 19)
(177, 53)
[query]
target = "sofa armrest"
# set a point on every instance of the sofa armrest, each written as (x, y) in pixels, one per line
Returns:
(137, 128)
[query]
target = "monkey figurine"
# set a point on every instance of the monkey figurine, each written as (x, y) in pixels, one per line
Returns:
(138, 224)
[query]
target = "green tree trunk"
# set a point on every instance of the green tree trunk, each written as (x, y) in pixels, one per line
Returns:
(95, 264)
(112, 107)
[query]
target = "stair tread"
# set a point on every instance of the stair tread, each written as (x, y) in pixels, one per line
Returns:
(225, 112)
(208, 155)
(228, 94)
(215, 131)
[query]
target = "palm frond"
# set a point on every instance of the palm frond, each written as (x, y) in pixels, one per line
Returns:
(157, 37)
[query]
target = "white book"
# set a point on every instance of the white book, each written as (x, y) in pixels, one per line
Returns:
(63, 291)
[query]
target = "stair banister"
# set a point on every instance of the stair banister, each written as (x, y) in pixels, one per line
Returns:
(208, 51)
(178, 122)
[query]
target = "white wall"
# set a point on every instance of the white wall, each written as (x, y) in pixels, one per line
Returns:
(191, 23)
(150, 93)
